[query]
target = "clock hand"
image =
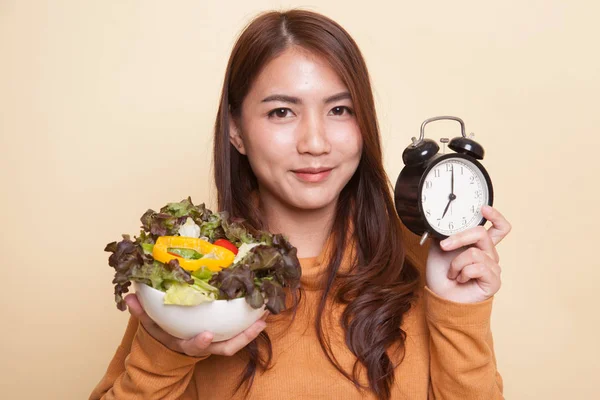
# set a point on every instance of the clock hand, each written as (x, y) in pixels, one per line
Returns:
(452, 197)
(452, 182)
(446, 210)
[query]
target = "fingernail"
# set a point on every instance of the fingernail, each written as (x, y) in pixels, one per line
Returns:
(208, 337)
(446, 242)
(261, 325)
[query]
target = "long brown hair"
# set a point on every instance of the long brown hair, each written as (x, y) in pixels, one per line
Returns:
(379, 287)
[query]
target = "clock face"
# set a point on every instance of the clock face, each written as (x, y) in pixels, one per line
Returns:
(452, 194)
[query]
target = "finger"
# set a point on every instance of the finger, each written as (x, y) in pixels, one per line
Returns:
(265, 315)
(198, 345)
(235, 344)
(477, 236)
(472, 255)
(135, 308)
(483, 274)
(500, 225)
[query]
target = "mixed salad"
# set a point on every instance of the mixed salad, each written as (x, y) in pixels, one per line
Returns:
(194, 256)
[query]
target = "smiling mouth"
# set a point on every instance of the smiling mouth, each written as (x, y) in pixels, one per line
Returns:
(312, 175)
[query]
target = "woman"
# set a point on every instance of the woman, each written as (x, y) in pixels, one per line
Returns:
(297, 151)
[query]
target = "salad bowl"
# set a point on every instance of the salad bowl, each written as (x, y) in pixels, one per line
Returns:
(223, 318)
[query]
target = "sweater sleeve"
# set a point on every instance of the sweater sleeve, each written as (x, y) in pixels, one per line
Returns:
(462, 359)
(143, 368)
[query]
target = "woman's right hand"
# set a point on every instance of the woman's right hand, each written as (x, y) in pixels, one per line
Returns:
(201, 344)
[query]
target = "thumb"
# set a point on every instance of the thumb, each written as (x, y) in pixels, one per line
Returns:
(134, 307)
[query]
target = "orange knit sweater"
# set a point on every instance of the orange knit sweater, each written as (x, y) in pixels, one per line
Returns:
(449, 355)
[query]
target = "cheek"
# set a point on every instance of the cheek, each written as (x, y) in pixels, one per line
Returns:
(348, 143)
(270, 147)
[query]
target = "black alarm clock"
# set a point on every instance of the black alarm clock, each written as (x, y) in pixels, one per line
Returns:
(442, 194)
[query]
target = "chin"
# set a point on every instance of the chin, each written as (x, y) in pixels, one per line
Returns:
(312, 199)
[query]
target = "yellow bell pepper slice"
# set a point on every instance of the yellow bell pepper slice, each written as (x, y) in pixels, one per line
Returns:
(224, 258)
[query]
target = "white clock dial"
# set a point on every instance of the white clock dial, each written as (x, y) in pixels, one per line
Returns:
(451, 214)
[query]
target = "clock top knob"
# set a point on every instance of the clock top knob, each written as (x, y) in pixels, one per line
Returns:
(419, 151)
(467, 146)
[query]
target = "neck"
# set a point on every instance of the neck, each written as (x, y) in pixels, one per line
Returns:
(307, 230)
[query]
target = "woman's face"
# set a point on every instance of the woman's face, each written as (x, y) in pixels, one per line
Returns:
(299, 131)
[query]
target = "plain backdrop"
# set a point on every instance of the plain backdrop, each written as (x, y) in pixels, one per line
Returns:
(107, 109)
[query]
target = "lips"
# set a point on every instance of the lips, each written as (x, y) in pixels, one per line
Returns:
(312, 174)
(312, 170)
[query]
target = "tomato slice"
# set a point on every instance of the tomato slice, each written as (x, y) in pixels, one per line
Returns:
(226, 244)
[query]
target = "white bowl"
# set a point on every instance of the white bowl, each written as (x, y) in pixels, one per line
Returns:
(224, 318)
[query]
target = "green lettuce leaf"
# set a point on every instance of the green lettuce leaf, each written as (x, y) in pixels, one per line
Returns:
(156, 274)
(186, 295)
(255, 299)
(234, 282)
(131, 264)
(160, 224)
(203, 273)
(170, 218)
(261, 275)
(185, 208)
(188, 254)
(211, 228)
(147, 247)
(279, 260)
(204, 286)
(236, 232)
(275, 295)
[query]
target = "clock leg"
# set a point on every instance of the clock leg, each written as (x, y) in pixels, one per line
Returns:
(424, 238)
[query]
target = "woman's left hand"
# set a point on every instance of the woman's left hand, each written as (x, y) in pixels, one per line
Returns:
(465, 268)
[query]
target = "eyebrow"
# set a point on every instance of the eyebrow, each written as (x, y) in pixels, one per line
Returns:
(295, 100)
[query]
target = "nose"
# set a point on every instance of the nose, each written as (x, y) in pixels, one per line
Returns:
(313, 135)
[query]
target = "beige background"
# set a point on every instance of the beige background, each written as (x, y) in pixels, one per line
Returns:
(106, 109)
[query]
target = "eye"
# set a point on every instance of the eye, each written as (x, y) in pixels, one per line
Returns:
(278, 112)
(339, 110)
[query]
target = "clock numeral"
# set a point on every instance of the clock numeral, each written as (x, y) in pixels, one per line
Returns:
(464, 219)
(449, 167)
(439, 221)
(450, 225)
(436, 173)
(477, 194)
(472, 179)
(473, 208)
(462, 170)
(424, 198)
(428, 213)
(428, 184)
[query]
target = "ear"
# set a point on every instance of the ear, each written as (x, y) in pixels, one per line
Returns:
(235, 136)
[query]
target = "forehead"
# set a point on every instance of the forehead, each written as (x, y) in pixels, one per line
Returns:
(297, 72)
